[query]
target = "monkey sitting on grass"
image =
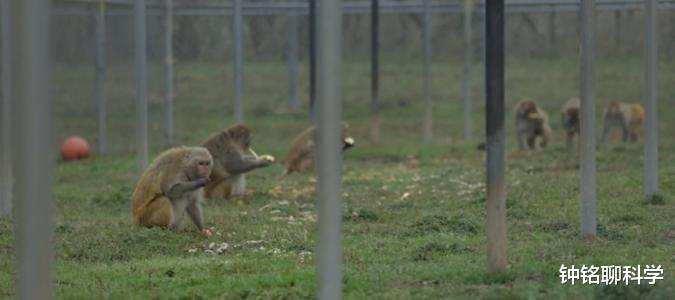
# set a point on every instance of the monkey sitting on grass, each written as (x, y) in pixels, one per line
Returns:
(171, 186)
(301, 156)
(232, 157)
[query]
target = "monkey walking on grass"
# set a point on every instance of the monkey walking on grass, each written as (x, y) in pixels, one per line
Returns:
(571, 121)
(171, 186)
(531, 124)
(303, 150)
(232, 157)
(628, 116)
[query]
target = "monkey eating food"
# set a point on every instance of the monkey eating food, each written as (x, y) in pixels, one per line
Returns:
(171, 186)
(628, 116)
(302, 154)
(531, 123)
(232, 157)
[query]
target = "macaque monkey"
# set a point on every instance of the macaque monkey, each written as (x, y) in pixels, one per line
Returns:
(628, 116)
(301, 156)
(232, 157)
(571, 121)
(171, 186)
(531, 123)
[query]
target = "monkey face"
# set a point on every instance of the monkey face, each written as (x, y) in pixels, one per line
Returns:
(614, 109)
(203, 168)
(199, 165)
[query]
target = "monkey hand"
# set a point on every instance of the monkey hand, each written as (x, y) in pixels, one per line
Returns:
(207, 232)
(267, 158)
(201, 182)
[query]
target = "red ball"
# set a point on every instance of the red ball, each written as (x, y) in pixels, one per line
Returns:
(74, 148)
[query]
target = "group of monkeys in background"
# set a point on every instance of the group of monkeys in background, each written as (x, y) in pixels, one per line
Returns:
(533, 130)
(175, 183)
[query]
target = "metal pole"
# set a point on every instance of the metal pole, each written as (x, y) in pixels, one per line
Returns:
(33, 159)
(375, 69)
(237, 28)
(428, 113)
(494, 117)
(6, 111)
(329, 160)
(141, 84)
(168, 72)
(99, 88)
(588, 182)
(292, 60)
(466, 83)
(651, 185)
(312, 58)
(239, 187)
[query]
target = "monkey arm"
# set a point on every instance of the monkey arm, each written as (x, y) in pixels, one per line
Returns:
(182, 187)
(194, 210)
(237, 164)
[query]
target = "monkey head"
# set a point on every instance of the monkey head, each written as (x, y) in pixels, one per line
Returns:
(614, 108)
(240, 134)
(527, 109)
(198, 163)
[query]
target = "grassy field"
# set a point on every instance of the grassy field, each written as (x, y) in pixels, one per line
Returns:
(414, 215)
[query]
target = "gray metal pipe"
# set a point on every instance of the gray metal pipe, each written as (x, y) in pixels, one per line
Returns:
(329, 160)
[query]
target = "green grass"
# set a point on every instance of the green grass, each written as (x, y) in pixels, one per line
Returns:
(413, 215)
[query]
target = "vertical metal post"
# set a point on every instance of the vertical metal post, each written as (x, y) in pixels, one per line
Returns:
(33, 159)
(6, 110)
(99, 88)
(375, 70)
(239, 187)
(651, 185)
(588, 169)
(329, 160)
(292, 60)
(168, 72)
(466, 82)
(312, 58)
(141, 84)
(428, 112)
(494, 117)
(237, 28)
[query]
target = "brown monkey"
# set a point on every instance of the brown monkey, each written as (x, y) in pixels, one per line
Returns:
(571, 122)
(531, 122)
(171, 186)
(232, 157)
(628, 116)
(301, 156)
